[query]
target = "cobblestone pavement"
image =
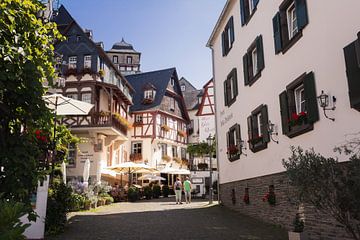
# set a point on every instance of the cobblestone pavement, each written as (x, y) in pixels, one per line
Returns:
(163, 219)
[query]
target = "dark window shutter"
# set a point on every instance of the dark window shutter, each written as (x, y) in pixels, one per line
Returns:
(277, 33)
(353, 75)
(284, 110)
(223, 43)
(246, 68)
(357, 49)
(264, 124)
(250, 130)
(238, 137)
(231, 29)
(256, 3)
(311, 98)
(255, 129)
(226, 93)
(260, 53)
(235, 82)
(227, 140)
(242, 12)
(301, 13)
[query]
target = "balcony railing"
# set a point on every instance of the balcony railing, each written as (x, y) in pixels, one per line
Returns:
(135, 156)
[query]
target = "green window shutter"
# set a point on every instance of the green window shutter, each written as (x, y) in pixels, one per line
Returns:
(255, 3)
(277, 33)
(301, 13)
(246, 68)
(311, 98)
(235, 82)
(223, 43)
(353, 74)
(255, 129)
(284, 110)
(250, 130)
(264, 124)
(231, 29)
(238, 137)
(260, 53)
(225, 93)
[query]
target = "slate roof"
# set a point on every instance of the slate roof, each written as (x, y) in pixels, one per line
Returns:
(159, 79)
(190, 95)
(123, 47)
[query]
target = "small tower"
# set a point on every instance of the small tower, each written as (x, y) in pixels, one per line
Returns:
(125, 57)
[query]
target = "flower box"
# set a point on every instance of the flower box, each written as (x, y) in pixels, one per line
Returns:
(176, 159)
(148, 100)
(165, 127)
(297, 119)
(123, 121)
(166, 158)
(270, 198)
(233, 150)
(256, 140)
(182, 133)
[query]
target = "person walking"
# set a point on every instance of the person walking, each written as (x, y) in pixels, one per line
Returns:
(178, 190)
(187, 190)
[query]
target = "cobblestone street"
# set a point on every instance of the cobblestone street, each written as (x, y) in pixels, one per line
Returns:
(163, 219)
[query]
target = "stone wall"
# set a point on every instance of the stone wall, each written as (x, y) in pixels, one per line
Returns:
(319, 226)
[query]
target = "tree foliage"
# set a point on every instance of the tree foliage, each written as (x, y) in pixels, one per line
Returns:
(201, 149)
(26, 61)
(331, 187)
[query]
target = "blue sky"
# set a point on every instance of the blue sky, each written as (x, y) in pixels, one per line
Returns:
(168, 33)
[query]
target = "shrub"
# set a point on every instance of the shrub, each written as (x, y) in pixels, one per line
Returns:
(10, 225)
(166, 191)
(109, 200)
(156, 191)
(133, 194)
(76, 201)
(298, 224)
(148, 192)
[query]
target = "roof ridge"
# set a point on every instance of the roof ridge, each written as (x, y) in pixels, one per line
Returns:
(161, 70)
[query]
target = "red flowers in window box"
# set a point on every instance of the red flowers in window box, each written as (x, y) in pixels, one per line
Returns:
(270, 198)
(232, 149)
(246, 198)
(297, 119)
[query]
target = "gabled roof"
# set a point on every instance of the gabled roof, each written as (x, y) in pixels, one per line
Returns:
(190, 94)
(159, 80)
(123, 47)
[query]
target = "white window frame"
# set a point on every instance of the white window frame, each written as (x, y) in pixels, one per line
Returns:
(129, 59)
(87, 61)
(300, 102)
(149, 94)
(231, 82)
(174, 150)
(117, 59)
(183, 87)
(163, 149)
(251, 6)
(86, 97)
(292, 20)
(138, 118)
(72, 62)
(136, 147)
(259, 123)
(71, 154)
(172, 81)
(254, 58)
(73, 96)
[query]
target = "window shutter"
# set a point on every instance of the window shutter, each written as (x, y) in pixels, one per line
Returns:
(265, 122)
(242, 12)
(277, 33)
(223, 43)
(238, 137)
(357, 49)
(301, 13)
(284, 110)
(255, 130)
(311, 98)
(260, 53)
(225, 93)
(235, 84)
(250, 130)
(246, 68)
(353, 75)
(255, 3)
(227, 143)
(231, 29)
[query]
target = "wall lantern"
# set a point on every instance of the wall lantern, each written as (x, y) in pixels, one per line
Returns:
(272, 131)
(324, 101)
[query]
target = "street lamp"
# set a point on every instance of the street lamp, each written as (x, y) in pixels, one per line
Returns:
(210, 141)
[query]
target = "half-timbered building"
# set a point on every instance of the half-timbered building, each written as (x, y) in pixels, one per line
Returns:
(159, 134)
(89, 75)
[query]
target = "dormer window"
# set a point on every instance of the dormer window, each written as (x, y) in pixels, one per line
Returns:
(172, 81)
(149, 94)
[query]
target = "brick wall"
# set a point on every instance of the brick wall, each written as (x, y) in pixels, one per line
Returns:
(319, 226)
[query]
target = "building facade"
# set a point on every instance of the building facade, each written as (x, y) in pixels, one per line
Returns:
(89, 75)
(271, 62)
(158, 137)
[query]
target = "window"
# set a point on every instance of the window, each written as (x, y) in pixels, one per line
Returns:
(253, 62)
(87, 61)
(162, 120)
(230, 88)
(183, 153)
(233, 140)
(172, 82)
(247, 9)
(299, 107)
(228, 37)
(115, 59)
(258, 134)
(138, 118)
(163, 149)
(149, 94)
(172, 104)
(136, 147)
(71, 155)
(183, 87)
(72, 95)
(129, 60)
(78, 38)
(174, 151)
(288, 24)
(352, 61)
(86, 97)
(72, 62)
(122, 68)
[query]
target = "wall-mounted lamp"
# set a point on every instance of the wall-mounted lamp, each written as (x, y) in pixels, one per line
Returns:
(272, 131)
(325, 102)
(243, 147)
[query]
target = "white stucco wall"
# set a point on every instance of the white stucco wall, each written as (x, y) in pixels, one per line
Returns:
(319, 50)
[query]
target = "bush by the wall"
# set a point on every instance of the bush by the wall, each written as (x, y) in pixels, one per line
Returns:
(165, 190)
(133, 194)
(156, 191)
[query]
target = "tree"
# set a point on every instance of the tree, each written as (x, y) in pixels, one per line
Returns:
(330, 186)
(26, 61)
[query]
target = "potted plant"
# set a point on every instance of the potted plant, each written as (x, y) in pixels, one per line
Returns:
(156, 191)
(133, 194)
(165, 190)
(298, 232)
(165, 127)
(148, 192)
(166, 158)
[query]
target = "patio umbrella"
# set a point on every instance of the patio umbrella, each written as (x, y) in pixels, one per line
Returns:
(131, 167)
(170, 170)
(86, 172)
(151, 177)
(63, 170)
